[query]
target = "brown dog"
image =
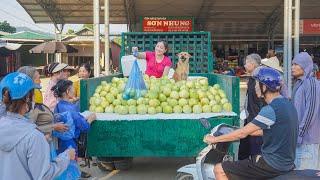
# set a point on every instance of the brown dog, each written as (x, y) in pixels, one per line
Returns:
(182, 70)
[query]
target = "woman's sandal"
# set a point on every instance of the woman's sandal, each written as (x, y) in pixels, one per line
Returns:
(85, 174)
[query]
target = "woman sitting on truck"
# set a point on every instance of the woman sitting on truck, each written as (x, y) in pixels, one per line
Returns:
(158, 63)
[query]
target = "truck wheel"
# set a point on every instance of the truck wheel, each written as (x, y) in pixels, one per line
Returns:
(123, 164)
(184, 176)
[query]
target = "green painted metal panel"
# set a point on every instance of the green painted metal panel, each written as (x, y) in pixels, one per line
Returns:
(231, 85)
(198, 44)
(153, 138)
(88, 86)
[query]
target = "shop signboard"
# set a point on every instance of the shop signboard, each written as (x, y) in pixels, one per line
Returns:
(167, 24)
(310, 26)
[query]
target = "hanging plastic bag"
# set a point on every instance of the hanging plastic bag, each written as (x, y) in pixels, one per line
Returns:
(67, 119)
(72, 172)
(53, 152)
(135, 87)
(53, 156)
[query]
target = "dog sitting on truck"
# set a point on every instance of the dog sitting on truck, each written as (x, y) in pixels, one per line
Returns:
(182, 69)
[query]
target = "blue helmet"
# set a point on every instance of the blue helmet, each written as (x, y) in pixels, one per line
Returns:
(18, 84)
(269, 77)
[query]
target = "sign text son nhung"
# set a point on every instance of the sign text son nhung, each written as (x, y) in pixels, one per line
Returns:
(167, 25)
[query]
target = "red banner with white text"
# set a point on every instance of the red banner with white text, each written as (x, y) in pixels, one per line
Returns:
(310, 27)
(167, 24)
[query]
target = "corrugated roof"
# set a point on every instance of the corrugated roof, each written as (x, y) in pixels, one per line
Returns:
(28, 35)
(224, 18)
(2, 33)
(72, 11)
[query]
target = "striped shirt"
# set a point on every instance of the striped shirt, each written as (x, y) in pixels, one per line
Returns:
(279, 122)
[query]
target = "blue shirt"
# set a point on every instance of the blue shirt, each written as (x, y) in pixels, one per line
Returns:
(279, 121)
(80, 122)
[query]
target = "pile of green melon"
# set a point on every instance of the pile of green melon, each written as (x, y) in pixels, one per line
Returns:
(163, 95)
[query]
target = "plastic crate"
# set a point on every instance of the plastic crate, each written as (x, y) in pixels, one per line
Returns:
(198, 44)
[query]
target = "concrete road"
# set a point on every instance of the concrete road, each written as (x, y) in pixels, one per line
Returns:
(144, 169)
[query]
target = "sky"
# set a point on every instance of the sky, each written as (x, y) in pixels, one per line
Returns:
(13, 12)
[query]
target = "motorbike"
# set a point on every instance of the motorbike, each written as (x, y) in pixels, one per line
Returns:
(213, 154)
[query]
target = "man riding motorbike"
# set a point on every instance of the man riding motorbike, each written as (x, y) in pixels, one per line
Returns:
(277, 123)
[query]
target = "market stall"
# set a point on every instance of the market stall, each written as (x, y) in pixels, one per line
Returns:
(160, 135)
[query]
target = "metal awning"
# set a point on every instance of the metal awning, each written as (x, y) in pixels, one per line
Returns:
(71, 11)
(251, 19)
(9, 46)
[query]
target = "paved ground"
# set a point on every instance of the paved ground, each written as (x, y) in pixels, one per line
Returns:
(145, 169)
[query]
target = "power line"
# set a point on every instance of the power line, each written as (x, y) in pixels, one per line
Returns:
(18, 18)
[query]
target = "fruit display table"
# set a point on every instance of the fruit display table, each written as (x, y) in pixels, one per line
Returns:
(163, 137)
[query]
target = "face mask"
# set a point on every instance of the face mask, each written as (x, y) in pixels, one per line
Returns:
(27, 115)
(30, 107)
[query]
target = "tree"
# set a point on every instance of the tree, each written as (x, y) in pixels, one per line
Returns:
(70, 31)
(5, 27)
(89, 26)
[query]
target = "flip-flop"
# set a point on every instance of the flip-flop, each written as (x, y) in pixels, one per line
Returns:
(85, 174)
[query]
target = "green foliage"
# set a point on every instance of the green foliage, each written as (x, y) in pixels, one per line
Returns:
(5, 27)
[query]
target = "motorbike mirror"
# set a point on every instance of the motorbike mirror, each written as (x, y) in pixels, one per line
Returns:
(205, 123)
(222, 129)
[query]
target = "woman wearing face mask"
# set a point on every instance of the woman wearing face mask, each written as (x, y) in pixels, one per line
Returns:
(41, 114)
(158, 64)
(24, 151)
(56, 73)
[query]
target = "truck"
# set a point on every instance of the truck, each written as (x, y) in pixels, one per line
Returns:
(118, 141)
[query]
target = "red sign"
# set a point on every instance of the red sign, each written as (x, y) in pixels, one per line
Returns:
(310, 26)
(166, 24)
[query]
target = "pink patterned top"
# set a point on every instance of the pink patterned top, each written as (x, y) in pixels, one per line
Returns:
(153, 67)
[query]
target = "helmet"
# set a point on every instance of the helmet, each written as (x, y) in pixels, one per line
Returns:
(269, 77)
(18, 84)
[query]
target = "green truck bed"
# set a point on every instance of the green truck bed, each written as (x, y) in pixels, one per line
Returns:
(154, 138)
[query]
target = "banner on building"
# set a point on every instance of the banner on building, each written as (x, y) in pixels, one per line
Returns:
(167, 24)
(310, 26)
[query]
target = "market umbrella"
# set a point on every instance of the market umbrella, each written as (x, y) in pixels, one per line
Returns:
(53, 47)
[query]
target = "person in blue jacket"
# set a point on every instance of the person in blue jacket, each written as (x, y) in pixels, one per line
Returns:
(64, 91)
(24, 150)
